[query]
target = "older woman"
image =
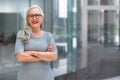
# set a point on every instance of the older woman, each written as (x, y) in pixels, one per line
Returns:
(35, 48)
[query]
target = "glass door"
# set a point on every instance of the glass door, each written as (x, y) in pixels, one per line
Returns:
(103, 27)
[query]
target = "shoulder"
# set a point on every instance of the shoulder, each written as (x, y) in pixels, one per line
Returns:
(48, 34)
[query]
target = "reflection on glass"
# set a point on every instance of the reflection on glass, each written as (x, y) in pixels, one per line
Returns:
(93, 2)
(94, 26)
(8, 27)
(103, 2)
(60, 33)
(62, 8)
(111, 28)
(103, 27)
(66, 29)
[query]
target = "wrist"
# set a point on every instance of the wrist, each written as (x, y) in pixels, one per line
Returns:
(36, 54)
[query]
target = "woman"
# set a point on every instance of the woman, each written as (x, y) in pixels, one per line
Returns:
(35, 48)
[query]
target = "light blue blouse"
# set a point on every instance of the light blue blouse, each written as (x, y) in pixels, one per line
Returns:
(35, 70)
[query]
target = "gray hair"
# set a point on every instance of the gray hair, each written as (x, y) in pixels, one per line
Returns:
(26, 33)
(32, 7)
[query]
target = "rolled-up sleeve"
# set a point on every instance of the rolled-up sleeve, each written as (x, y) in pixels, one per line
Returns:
(19, 46)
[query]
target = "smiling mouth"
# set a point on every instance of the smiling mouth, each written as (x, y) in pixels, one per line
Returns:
(34, 22)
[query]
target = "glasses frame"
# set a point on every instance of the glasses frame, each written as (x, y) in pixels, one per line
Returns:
(34, 15)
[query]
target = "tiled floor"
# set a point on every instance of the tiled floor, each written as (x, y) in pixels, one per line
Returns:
(109, 63)
(62, 69)
(113, 78)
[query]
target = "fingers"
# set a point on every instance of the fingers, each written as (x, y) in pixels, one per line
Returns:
(50, 48)
(30, 52)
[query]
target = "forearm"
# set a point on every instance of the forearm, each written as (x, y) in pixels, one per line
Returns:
(47, 56)
(23, 57)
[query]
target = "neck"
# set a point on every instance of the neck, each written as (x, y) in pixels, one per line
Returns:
(36, 30)
(37, 33)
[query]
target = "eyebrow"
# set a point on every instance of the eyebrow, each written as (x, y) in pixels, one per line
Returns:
(35, 13)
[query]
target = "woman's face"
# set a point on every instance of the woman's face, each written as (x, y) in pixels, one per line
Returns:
(35, 18)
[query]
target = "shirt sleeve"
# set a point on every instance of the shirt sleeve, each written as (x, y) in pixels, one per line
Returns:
(19, 46)
(52, 42)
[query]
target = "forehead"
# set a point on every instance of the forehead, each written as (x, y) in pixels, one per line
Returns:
(34, 10)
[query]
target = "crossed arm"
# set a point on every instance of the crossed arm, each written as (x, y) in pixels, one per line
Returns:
(33, 56)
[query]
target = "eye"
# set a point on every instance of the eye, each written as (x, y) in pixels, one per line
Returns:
(37, 15)
(31, 15)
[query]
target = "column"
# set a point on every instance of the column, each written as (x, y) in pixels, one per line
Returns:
(48, 12)
(84, 34)
(71, 56)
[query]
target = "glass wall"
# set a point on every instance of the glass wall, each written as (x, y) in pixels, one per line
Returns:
(103, 27)
(103, 2)
(94, 25)
(66, 28)
(103, 18)
(111, 28)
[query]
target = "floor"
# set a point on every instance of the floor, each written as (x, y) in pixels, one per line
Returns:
(109, 63)
(113, 78)
(109, 68)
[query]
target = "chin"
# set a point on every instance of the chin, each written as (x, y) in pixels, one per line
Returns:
(35, 26)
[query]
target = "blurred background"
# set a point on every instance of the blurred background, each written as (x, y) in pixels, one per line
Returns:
(87, 34)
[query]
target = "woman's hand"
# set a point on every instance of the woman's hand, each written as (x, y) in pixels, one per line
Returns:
(32, 53)
(35, 54)
(50, 48)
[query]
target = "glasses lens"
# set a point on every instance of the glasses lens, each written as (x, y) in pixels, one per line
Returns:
(34, 15)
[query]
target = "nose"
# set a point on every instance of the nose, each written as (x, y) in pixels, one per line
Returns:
(34, 17)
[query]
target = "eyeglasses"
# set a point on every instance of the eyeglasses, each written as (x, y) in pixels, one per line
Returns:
(34, 15)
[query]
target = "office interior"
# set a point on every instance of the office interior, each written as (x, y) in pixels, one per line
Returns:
(87, 35)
